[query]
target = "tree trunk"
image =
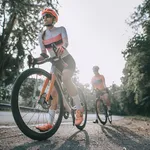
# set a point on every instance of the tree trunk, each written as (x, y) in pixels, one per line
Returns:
(4, 42)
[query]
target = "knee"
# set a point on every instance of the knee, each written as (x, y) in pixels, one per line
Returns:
(66, 76)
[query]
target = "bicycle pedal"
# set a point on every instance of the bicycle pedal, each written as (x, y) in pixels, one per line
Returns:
(43, 103)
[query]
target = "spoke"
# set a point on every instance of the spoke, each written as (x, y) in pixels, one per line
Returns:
(38, 116)
(24, 115)
(31, 118)
(45, 117)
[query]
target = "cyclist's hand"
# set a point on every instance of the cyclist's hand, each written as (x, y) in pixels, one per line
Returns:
(60, 50)
(31, 60)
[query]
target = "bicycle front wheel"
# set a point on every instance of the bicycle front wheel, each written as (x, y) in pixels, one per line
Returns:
(101, 111)
(26, 110)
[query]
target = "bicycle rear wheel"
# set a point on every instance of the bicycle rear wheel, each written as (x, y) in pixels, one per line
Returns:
(101, 111)
(26, 111)
(109, 117)
(84, 105)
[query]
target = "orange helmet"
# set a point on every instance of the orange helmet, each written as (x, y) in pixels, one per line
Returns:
(50, 11)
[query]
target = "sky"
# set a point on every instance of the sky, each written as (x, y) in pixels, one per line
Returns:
(97, 35)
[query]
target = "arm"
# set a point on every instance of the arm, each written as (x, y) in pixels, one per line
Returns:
(92, 90)
(64, 37)
(104, 83)
(65, 41)
(103, 78)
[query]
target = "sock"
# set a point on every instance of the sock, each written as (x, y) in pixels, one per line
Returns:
(76, 100)
(51, 116)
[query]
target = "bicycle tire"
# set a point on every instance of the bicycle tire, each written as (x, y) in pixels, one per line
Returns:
(109, 118)
(72, 111)
(103, 121)
(83, 101)
(15, 108)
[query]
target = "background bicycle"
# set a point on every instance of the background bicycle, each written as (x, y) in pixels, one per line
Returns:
(101, 109)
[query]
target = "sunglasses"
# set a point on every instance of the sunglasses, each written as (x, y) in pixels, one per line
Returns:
(47, 16)
(95, 70)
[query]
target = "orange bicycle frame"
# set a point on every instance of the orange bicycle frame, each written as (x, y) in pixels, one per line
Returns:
(50, 88)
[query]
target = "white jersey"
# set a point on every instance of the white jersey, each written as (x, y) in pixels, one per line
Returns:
(57, 35)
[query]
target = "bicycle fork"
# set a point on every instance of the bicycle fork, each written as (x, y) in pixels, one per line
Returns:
(50, 88)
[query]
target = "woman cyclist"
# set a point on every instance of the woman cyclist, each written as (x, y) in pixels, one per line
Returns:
(58, 35)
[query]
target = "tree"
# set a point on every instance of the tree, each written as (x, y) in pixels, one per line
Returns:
(20, 24)
(136, 80)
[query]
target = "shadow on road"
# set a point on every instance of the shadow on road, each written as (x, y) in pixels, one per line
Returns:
(124, 137)
(77, 141)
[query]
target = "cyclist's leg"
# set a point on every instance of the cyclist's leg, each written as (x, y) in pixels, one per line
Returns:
(53, 106)
(98, 104)
(52, 110)
(53, 103)
(71, 88)
(106, 99)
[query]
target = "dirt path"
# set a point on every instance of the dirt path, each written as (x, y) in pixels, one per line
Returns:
(138, 126)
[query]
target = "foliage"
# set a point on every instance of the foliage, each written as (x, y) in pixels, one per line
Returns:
(19, 27)
(136, 79)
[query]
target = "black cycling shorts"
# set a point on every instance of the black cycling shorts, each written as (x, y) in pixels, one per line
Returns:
(101, 93)
(71, 65)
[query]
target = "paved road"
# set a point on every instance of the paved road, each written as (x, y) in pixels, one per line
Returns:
(68, 137)
(6, 118)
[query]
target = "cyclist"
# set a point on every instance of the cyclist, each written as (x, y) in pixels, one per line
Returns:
(98, 83)
(58, 35)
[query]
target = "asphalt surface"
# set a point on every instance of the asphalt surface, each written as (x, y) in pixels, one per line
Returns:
(68, 137)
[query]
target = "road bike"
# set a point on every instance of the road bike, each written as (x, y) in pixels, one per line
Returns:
(31, 98)
(101, 108)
